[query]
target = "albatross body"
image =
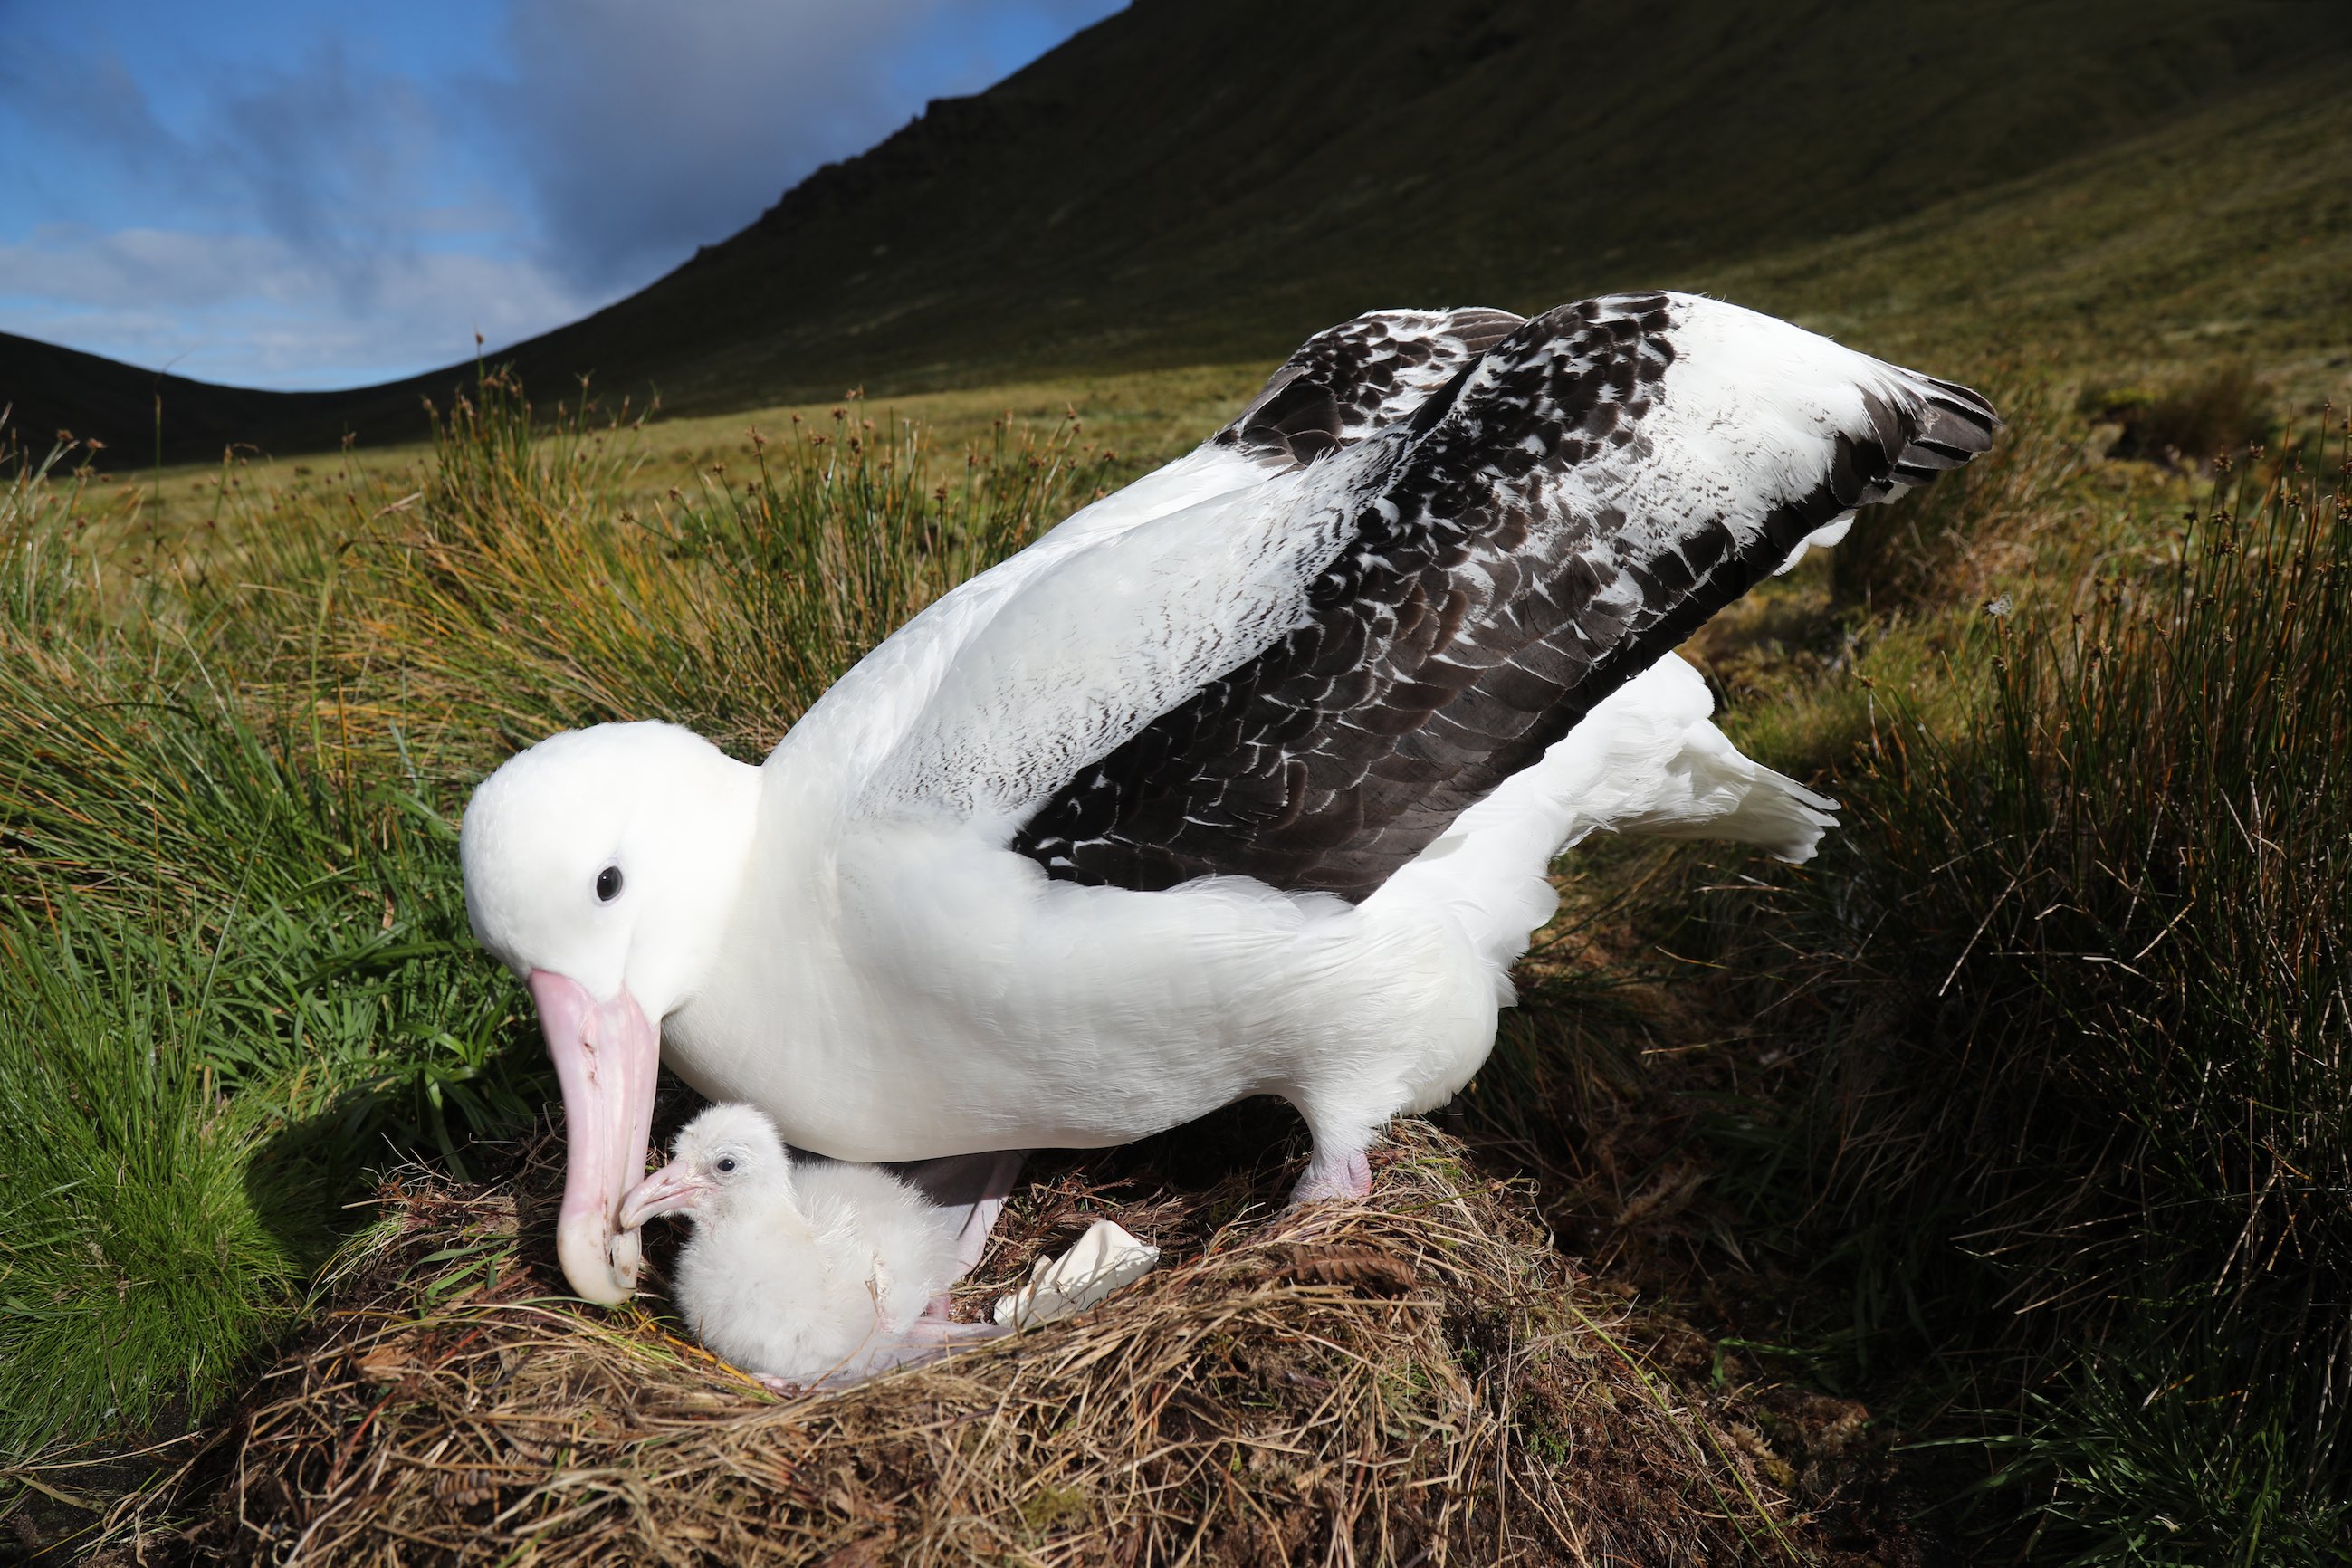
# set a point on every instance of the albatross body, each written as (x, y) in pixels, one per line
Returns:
(1243, 780)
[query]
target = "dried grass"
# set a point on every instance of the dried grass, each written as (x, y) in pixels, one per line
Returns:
(1418, 1379)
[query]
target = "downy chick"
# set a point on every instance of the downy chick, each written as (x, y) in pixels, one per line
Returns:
(815, 1273)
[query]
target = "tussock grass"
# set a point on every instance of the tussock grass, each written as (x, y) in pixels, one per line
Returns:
(231, 971)
(2074, 1004)
(139, 1247)
(523, 599)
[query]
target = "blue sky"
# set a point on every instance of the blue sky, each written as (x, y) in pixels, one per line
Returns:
(305, 194)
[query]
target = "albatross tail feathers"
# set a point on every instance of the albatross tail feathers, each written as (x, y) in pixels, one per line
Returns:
(1668, 773)
(1719, 793)
(1648, 760)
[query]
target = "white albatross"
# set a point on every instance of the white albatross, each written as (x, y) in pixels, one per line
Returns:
(1242, 781)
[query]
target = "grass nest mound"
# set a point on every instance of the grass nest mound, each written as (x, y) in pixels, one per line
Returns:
(1419, 1378)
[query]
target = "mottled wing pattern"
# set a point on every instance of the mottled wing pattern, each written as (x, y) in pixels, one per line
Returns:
(1539, 533)
(1360, 377)
(1132, 603)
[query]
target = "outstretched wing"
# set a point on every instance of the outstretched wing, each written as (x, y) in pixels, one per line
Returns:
(1044, 663)
(1573, 502)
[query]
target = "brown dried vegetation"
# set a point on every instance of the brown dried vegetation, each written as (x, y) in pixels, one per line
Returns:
(1417, 1379)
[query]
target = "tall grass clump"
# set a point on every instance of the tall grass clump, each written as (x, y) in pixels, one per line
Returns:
(234, 966)
(146, 1237)
(517, 595)
(2087, 1098)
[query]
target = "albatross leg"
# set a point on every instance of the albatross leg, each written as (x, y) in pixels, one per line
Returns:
(1333, 1174)
(1336, 1167)
(977, 1186)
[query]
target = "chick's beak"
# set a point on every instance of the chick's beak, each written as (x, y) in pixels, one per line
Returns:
(607, 1056)
(673, 1187)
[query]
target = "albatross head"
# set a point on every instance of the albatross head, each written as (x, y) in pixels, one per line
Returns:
(601, 867)
(720, 1155)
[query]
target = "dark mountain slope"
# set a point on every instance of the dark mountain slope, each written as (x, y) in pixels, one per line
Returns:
(47, 390)
(1200, 180)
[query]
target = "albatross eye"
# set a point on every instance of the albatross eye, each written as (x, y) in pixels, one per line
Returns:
(727, 1166)
(608, 884)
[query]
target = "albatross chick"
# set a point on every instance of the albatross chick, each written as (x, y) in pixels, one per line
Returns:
(809, 1274)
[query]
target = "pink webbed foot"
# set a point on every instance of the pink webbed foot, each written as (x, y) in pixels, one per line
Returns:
(1347, 1176)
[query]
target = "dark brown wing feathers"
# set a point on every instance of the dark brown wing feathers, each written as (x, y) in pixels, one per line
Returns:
(1484, 604)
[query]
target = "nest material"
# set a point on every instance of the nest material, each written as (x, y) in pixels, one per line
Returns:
(1419, 1378)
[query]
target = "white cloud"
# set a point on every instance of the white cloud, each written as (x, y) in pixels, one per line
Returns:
(259, 310)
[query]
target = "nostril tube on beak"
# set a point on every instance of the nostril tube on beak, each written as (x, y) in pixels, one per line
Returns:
(608, 1055)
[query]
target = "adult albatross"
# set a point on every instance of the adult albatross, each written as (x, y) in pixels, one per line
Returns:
(1243, 780)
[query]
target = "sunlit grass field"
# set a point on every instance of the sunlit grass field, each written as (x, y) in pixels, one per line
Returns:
(2021, 1115)
(1131, 422)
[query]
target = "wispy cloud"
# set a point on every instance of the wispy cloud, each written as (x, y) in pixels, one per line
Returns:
(262, 311)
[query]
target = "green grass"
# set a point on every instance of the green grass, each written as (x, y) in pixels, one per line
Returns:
(2070, 1001)
(1129, 423)
(144, 1241)
(236, 964)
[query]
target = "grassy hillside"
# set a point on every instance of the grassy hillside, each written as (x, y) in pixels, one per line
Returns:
(2223, 239)
(1188, 182)
(1204, 182)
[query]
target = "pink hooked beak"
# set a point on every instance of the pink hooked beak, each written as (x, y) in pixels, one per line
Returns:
(666, 1191)
(607, 1056)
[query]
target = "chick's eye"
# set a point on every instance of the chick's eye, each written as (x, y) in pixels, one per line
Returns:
(727, 1166)
(608, 884)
